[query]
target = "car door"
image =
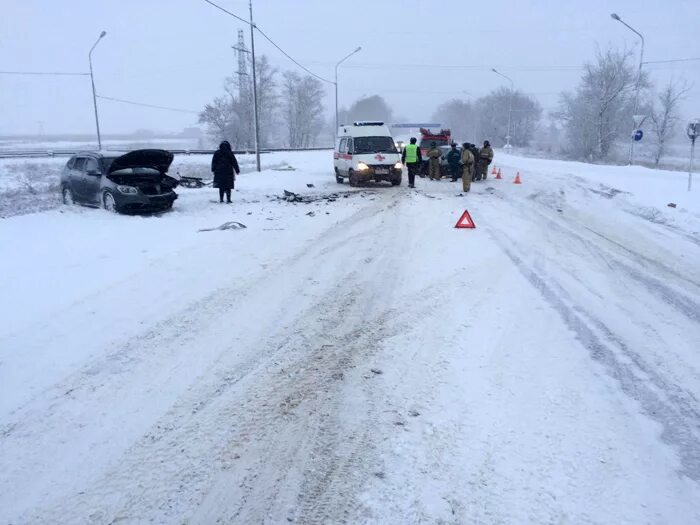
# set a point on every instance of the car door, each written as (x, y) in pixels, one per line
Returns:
(348, 155)
(92, 180)
(77, 178)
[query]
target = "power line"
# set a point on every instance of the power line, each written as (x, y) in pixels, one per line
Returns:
(227, 12)
(52, 73)
(262, 33)
(290, 58)
(674, 60)
(147, 105)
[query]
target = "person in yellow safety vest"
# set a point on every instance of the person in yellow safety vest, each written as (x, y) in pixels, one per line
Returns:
(412, 159)
(434, 155)
(467, 162)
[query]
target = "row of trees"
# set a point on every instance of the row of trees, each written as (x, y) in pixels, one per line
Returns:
(600, 112)
(589, 122)
(290, 109)
(487, 117)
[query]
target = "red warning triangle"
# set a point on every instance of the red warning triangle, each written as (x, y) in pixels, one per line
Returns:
(465, 221)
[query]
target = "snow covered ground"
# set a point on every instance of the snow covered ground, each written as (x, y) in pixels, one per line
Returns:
(366, 362)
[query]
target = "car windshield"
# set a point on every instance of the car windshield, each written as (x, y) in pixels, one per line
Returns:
(374, 145)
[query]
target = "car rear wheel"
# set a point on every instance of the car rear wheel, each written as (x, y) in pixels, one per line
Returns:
(338, 178)
(109, 203)
(68, 199)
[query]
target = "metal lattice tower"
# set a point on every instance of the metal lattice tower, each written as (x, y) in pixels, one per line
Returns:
(242, 65)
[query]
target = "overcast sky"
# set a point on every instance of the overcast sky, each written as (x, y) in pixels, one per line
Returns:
(416, 54)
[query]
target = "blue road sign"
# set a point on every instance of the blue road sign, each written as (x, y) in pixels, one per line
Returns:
(638, 135)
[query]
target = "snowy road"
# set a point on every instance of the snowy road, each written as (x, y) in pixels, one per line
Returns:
(365, 364)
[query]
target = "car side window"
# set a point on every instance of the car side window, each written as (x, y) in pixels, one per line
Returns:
(79, 163)
(343, 143)
(70, 163)
(91, 165)
(349, 148)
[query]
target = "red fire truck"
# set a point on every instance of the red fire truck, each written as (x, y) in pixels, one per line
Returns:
(427, 137)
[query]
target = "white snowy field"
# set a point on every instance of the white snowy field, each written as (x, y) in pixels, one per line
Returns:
(364, 363)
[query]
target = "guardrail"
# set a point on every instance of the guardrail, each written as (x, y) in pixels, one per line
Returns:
(34, 154)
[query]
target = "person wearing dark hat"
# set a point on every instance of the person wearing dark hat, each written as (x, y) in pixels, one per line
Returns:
(434, 156)
(412, 159)
(453, 162)
(485, 158)
(225, 168)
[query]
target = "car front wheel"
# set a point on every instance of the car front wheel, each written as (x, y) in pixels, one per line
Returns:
(68, 199)
(109, 203)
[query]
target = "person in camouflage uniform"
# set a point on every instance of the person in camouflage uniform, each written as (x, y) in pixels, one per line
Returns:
(434, 155)
(475, 168)
(467, 162)
(485, 158)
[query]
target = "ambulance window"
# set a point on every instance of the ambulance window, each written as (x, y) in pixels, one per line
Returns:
(341, 146)
(349, 148)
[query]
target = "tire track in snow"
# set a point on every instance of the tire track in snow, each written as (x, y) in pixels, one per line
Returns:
(676, 411)
(172, 468)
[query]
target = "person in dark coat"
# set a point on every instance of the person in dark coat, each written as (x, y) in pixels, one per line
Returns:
(454, 158)
(225, 168)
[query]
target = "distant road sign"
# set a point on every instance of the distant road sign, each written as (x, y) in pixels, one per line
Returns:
(638, 135)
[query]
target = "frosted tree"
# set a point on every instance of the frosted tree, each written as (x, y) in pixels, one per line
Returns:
(492, 113)
(600, 110)
(230, 117)
(460, 117)
(664, 115)
(302, 109)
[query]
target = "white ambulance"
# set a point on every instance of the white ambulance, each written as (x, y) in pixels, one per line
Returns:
(366, 151)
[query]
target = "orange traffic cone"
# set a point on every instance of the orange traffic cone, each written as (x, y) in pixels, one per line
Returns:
(493, 171)
(517, 179)
(498, 174)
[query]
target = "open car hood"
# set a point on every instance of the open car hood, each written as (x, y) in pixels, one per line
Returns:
(158, 159)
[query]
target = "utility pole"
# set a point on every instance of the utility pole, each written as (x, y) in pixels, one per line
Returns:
(693, 131)
(255, 87)
(94, 96)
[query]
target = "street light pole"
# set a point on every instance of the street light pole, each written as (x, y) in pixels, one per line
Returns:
(615, 16)
(510, 104)
(359, 48)
(94, 96)
(255, 88)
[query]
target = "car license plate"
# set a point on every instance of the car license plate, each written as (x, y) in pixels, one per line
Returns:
(381, 171)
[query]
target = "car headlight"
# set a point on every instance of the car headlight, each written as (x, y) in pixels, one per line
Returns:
(398, 166)
(362, 166)
(129, 190)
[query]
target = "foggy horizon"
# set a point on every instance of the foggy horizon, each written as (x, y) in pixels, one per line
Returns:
(181, 61)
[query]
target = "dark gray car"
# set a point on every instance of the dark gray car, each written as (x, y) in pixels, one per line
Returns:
(131, 182)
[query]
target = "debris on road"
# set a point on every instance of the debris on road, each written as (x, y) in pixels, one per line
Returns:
(231, 225)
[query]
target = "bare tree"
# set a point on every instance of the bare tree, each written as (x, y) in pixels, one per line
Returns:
(664, 115)
(368, 108)
(459, 116)
(492, 115)
(302, 109)
(230, 117)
